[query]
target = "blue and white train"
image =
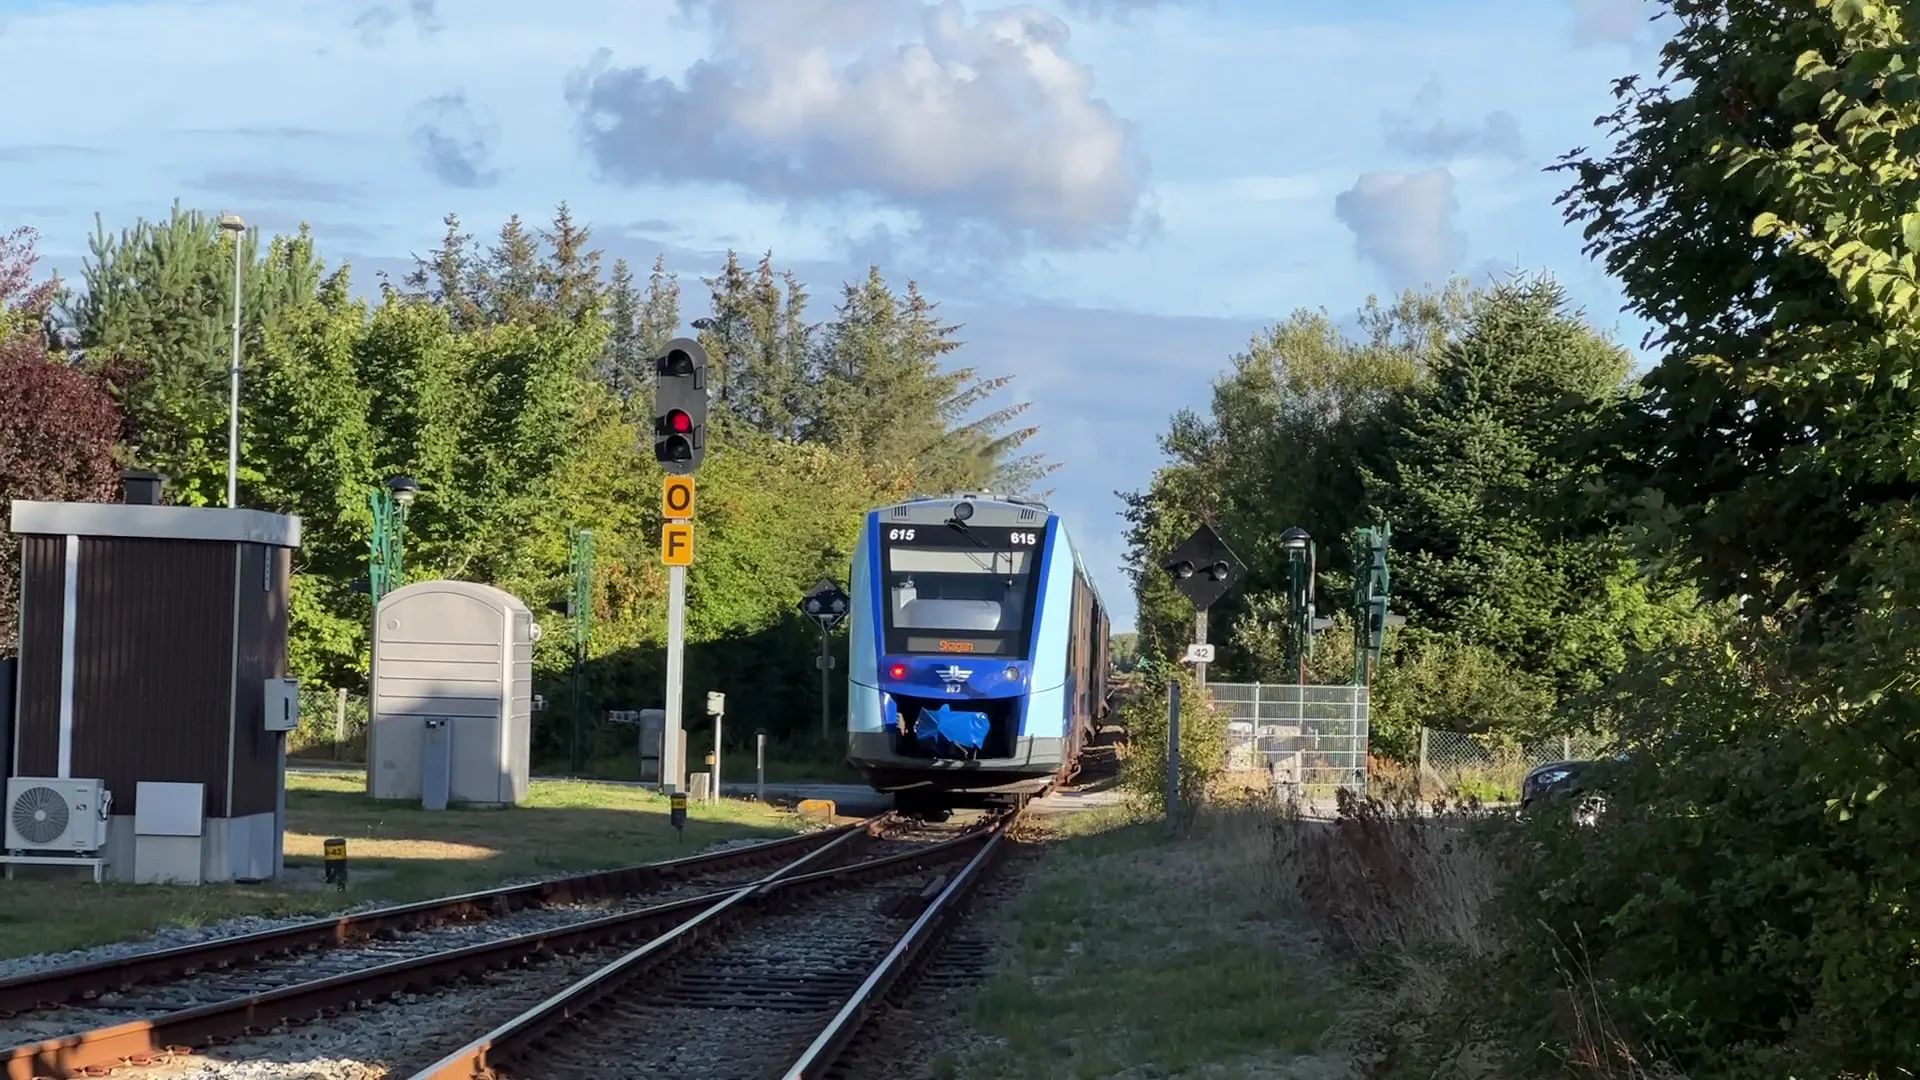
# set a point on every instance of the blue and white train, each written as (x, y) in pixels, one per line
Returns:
(978, 655)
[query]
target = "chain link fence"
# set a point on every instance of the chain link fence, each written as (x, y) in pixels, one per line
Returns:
(333, 727)
(1309, 741)
(1460, 765)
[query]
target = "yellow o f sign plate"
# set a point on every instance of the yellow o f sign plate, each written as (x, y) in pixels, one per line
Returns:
(676, 544)
(676, 498)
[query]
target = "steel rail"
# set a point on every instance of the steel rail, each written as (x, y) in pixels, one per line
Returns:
(910, 949)
(85, 1053)
(79, 982)
(479, 1059)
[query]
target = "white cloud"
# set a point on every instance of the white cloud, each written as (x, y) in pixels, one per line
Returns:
(1441, 139)
(981, 122)
(1403, 223)
(1611, 22)
(453, 141)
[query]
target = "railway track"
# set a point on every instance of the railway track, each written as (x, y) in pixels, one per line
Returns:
(817, 941)
(86, 1018)
(775, 980)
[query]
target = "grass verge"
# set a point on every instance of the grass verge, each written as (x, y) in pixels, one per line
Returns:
(396, 852)
(787, 763)
(1134, 955)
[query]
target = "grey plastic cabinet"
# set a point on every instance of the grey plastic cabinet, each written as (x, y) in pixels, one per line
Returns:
(462, 652)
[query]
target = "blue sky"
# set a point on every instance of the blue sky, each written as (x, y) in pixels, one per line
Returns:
(1111, 196)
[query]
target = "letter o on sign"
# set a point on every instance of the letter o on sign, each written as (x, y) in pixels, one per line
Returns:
(676, 498)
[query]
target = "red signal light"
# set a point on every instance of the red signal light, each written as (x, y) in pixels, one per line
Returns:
(898, 671)
(680, 422)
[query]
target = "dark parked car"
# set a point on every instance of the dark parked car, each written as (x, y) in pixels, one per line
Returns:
(1573, 779)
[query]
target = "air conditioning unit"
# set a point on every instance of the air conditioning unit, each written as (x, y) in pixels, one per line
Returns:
(48, 814)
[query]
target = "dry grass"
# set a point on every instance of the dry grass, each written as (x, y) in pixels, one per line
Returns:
(397, 852)
(1403, 890)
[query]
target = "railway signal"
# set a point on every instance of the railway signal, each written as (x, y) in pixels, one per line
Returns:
(680, 407)
(680, 445)
(826, 605)
(1203, 568)
(1371, 595)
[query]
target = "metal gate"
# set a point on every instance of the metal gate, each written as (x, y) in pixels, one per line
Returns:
(1310, 738)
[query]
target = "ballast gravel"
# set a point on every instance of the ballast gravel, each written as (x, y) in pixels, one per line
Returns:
(175, 936)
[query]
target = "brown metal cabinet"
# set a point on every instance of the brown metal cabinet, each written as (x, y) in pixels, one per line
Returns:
(151, 638)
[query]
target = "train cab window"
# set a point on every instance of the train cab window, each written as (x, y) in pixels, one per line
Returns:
(946, 594)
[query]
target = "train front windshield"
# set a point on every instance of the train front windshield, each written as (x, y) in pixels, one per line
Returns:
(949, 591)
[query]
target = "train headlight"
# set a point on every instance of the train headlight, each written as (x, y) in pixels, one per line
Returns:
(1010, 674)
(962, 511)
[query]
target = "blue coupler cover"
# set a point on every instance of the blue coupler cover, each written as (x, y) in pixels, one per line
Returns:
(944, 727)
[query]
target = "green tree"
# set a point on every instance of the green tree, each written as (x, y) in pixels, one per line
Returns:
(1281, 446)
(886, 392)
(623, 368)
(762, 348)
(1746, 901)
(1715, 460)
(318, 462)
(156, 317)
(1459, 469)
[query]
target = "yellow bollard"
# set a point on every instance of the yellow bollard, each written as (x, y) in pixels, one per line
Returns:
(335, 851)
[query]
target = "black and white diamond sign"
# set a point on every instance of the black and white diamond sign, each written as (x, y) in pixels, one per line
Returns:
(826, 604)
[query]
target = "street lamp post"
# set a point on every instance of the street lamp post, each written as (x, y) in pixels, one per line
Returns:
(388, 544)
(580, 552)
(1301, 561)
(235, 228)
(384, 552)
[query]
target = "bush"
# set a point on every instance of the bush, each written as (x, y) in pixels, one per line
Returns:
(1203, 742)
(1746, 898)
(1409, 897)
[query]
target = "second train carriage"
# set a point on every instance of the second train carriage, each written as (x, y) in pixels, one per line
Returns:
(977, 664)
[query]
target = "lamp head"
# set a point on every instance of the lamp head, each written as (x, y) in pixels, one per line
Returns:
(404, 488)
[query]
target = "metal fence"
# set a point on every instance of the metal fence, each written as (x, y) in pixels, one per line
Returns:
(1490, 767)
(333, 725)
(1311, 739)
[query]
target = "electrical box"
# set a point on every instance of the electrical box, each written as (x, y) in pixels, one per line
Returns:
(283, 704)
(716, 703)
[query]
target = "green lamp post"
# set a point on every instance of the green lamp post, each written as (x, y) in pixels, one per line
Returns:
(388, 543)
(384, 551)
(580, 553)
(1371, 594)
(1301, 559)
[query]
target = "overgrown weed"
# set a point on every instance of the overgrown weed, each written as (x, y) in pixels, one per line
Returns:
(1405, 893)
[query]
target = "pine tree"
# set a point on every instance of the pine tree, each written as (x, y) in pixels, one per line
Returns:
(568, 280)
(769, 389)
(885, 390)
(659, 320)
(1462, 472)
(508, 280)
(448, 278)
(620, 367)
